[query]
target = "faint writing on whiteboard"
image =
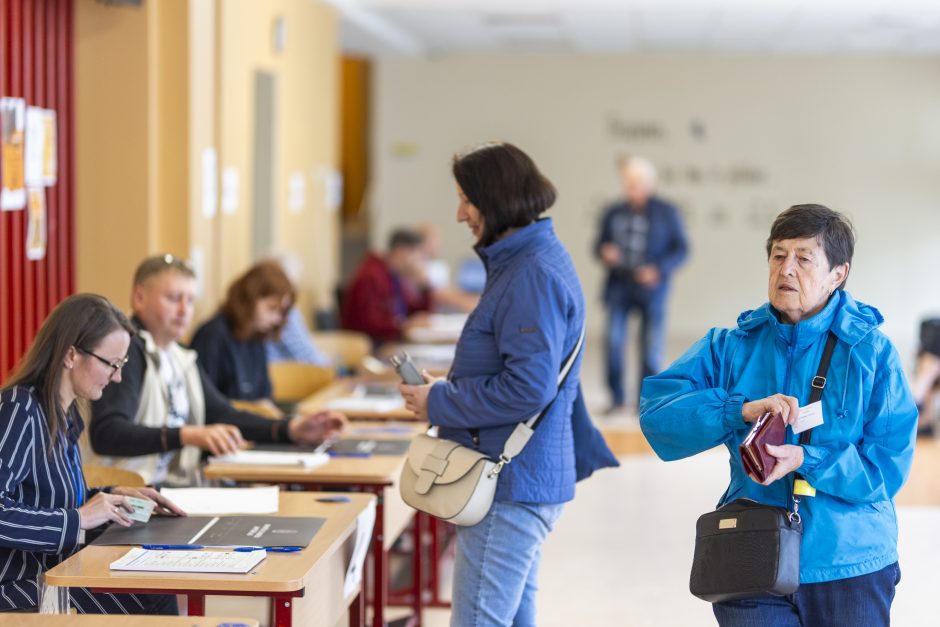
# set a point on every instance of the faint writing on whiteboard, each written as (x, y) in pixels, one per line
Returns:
(634, 130)
(693, 174)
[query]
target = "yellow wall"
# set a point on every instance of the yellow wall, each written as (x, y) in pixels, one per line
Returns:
(160, 84)
(111, 146)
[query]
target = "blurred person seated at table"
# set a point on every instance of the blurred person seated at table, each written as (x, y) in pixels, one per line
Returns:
(168, 410)
(389, 292)
(926, 383)
(232, 344)
(46, 506)
(447, 297)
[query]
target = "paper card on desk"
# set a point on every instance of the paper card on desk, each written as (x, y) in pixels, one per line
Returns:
(215, 501)
(364, 525)
(189, 561)
(272, 458)
(143, 508)
(352, 404)
(810, 416)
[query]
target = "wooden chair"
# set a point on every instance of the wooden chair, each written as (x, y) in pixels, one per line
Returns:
(345, 349)
(293, 381)
(104, 476)
(258, 407)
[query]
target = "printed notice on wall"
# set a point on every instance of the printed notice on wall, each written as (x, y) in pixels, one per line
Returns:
(210, 183)
(13, 126)
(41, 158)
(36, 228)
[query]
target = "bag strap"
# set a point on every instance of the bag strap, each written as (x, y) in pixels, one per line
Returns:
(524, 430)
(818, 385)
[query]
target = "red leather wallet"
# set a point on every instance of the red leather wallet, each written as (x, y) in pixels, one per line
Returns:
(768, 429)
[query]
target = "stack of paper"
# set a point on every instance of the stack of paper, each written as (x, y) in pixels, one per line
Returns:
(218, 501)
(189, 561)
(379, 405)
(270, 458)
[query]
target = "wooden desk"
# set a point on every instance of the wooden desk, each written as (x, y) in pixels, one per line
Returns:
(437, 329)
(307, 585)
(96, 620)
(376, 475)
(344, 388)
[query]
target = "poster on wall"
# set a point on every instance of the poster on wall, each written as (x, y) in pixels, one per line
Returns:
(36, 227)
(41, 157)
(12, 126)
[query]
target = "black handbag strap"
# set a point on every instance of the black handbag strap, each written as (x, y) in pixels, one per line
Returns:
(819, 381)
(818, 385)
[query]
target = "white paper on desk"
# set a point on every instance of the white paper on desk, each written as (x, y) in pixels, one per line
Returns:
(189, 561)
(273, 458)
(365, 403)
(220, 501)
(364, 524)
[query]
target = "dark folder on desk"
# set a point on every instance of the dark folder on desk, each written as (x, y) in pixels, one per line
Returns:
(266, 531)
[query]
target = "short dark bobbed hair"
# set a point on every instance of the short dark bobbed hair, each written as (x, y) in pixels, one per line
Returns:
(505, 185)
(832, 229)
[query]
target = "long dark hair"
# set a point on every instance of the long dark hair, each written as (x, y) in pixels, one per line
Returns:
(505, 186)
(82, 321)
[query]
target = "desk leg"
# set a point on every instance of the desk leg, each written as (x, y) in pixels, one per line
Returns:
(195, 604)
(282, 611)
(379, 562)
(357, 611)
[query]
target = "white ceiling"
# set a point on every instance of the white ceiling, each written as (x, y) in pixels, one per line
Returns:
(432, 27)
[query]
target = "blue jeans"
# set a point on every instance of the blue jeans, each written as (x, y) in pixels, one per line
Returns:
(496, 567)
(652, 310)
(863, 601)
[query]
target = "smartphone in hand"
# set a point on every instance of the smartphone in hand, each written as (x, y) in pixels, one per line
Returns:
(406, 369)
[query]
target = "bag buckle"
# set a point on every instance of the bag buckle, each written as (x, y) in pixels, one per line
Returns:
(819, 382)
(503, 460)
(794, 516)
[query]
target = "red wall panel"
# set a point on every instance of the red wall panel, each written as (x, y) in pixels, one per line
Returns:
(36, 64)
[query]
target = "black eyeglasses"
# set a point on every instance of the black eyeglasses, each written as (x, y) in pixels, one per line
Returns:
(114, 366)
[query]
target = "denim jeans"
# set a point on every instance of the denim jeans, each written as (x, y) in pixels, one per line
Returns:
(652, 310)
(497, 562)
(863, 601)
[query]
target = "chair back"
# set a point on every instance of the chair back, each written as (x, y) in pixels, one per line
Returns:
(346, 349)
(104, 476)
(293, 381)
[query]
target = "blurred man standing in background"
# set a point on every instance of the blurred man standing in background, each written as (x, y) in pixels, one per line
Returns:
(641, 243)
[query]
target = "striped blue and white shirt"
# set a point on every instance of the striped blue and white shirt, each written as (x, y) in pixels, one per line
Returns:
(41, 488)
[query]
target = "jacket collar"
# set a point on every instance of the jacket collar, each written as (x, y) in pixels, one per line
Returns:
(849, 319)
(183, 355)
(535, 235)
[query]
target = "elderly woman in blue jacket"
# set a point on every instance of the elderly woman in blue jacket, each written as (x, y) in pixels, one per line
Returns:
(857, 459)
(506, 366)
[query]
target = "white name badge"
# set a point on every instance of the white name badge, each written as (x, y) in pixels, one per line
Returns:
(810, 416)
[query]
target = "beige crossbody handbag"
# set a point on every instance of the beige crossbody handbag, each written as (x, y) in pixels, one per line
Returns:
(457, 483)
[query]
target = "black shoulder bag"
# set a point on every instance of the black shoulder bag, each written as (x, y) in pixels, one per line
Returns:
(745, 549)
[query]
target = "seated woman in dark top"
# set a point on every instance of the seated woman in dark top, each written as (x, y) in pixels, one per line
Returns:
(231, 344)
(45, 505)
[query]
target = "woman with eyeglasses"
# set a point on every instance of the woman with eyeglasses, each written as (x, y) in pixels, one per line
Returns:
(45, 505)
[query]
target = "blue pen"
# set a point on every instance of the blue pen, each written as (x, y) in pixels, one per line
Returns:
(173, 547)
(269, 549)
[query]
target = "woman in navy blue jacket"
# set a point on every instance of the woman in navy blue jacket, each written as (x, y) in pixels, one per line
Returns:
(529, 318)
(45, 506)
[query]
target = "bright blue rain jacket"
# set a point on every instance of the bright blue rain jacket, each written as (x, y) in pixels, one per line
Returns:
(857, 460)
(506, 368)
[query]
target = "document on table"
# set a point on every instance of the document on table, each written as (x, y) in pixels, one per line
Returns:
(189, 561)
(217, 501)
(364, 525)
(270, 458)
(379, 405)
